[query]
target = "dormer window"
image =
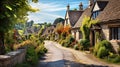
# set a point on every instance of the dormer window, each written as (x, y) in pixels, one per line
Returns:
(94, 0)
(95, 14)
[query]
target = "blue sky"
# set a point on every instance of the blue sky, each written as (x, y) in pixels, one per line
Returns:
(52, 9)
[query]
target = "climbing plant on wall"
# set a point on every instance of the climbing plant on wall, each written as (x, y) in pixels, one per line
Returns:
(85, 28)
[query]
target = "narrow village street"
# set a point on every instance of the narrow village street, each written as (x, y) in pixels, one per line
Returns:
(58, 56)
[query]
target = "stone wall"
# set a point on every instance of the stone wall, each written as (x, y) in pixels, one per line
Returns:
(106, 35)
(115, 45)
(12, 58)
(105, 32)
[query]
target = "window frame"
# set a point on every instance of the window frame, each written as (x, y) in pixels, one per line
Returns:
(114, 33)
(95, 14)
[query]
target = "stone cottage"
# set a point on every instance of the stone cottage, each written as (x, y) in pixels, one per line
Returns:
(72, 17)
(109, 22)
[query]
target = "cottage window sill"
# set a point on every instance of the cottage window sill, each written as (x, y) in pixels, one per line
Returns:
(114, 40)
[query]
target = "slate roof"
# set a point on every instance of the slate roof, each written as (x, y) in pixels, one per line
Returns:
(110, 12)
(74, 15)
(46, 31)
(87, 12)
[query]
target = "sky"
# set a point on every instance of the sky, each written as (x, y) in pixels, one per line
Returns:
(49, 10)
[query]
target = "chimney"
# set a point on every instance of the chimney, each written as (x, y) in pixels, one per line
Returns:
(91, 2)
(68, 7)
(81, 6)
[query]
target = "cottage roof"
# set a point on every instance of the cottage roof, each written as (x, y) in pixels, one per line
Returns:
(87, 12)
(110, 12)
(74, 16)
(46, 30)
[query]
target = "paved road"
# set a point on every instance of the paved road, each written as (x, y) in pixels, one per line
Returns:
(58, 57)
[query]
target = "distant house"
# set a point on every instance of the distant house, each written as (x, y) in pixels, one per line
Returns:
(33, 29)
(48, 31)
(109, 22)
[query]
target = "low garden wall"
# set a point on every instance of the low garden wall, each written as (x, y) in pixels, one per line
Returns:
(12, 58)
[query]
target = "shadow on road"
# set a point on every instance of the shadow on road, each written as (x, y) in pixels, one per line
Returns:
(64, 63)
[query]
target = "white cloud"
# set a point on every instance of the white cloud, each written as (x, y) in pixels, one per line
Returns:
(48, 7)
(47, 13)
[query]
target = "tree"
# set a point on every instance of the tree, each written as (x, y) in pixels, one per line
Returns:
(75, 9)
(59, 28)
(12, 12)
(58, 20)
(85, 28)
(49, 24)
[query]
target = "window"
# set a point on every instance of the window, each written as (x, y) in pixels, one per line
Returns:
(67, 21)
(115, 33)
(95, 14)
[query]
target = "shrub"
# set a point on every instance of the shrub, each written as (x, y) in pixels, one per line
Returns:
(112, 56)
(40, 50)
(102, 49)
(107, 45)
(76, 47)
(84, 44)
(116, 60)
(31, 55)
(7, 48)
(71, 39)
(66, 44)
(102, 52)
(96, 48)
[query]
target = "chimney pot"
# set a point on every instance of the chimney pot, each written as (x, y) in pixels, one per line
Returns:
(81, 6)
(68, 7)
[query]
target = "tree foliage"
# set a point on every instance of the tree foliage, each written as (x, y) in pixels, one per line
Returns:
(58, 20)
(12, 12)
(59, 28)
